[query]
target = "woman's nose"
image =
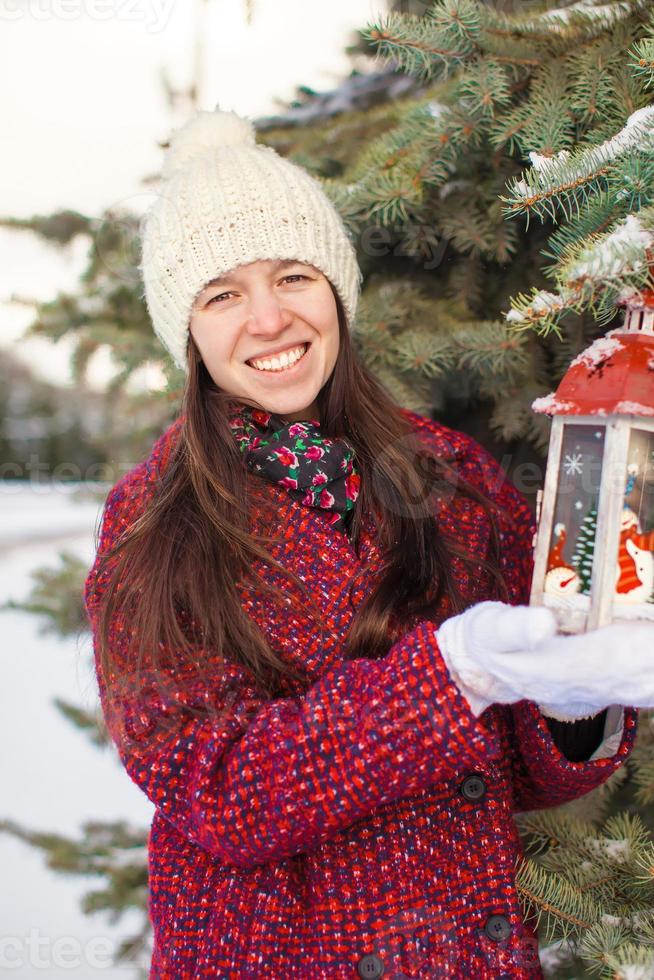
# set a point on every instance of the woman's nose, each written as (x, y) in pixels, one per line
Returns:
(267, 315)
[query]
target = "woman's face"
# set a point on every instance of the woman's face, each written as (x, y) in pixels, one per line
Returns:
(257, 312)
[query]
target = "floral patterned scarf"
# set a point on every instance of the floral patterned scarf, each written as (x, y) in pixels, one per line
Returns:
(316, 471)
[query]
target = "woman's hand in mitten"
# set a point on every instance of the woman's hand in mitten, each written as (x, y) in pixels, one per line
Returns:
(500, 653)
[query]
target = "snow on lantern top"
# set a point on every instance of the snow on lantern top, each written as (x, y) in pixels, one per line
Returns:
(615, 375)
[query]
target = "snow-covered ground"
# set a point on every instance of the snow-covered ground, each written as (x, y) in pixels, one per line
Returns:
(51, 777)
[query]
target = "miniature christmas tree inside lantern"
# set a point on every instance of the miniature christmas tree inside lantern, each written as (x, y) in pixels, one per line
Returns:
(594, 554)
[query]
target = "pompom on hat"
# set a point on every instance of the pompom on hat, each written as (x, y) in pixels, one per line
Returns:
(226, 201)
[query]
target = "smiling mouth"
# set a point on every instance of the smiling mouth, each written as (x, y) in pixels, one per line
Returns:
(282, 368)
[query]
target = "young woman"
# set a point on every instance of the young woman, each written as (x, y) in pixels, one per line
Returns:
(312, 642)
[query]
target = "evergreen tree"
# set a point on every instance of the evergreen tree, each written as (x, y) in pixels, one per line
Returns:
(582, 558)
(486, 119)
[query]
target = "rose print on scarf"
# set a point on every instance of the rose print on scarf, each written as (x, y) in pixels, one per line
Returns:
(285, 456)
(318, 471)
(259, 417)
(352, 484)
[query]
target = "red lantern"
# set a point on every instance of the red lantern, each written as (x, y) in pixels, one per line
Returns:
(594, 551)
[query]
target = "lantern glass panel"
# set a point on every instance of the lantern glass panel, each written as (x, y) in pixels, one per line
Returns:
(572, 542)
(635, 568)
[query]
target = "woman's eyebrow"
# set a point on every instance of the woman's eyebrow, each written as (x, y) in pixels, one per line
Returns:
(281, 264)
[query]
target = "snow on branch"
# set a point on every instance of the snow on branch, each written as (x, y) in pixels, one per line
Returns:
(603, 14)
(585, 19)
(614, 256)
(597, 272)
(538, 309)
(551, 179)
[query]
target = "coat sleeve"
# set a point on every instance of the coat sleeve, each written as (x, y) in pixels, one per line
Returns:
(267, 779)
(544, 770)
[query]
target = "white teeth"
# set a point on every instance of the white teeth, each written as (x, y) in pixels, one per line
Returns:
(283, 361)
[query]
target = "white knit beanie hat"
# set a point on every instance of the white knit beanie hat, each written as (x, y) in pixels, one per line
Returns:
(225, 201)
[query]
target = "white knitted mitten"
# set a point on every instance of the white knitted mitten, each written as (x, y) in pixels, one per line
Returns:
(499, 653)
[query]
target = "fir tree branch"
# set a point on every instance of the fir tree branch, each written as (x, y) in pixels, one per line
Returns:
(423, 351)
(614, 260)
(644, 862)
(564, 907)
(490, 349)
(91, 723)
(582, 19)
(642, 57)
(540, 310)
(591, 275)
(599, 941)
(512, 416)
(57, 597)
(544, 123)
(644, 780)
(550, 183)
(60, 228)
(601, 213)
(423, 45)
(485, 87)
(630, 961)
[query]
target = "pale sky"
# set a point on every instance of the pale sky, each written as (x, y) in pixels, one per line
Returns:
(84, 109)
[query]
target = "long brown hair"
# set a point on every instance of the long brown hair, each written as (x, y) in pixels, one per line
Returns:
(174, 569)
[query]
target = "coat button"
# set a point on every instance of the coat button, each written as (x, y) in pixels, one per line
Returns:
(498, 928)
(473, 787)
(370, 967)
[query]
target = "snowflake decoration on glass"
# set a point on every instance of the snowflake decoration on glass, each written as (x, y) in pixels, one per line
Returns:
(578, 505)
(573, 464)
(632, 470)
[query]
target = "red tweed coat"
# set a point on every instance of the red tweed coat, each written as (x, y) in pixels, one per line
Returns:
(361, 826)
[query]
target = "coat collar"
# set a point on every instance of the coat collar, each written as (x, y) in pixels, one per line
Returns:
(287, 511)
(289, 514)
(301, 539)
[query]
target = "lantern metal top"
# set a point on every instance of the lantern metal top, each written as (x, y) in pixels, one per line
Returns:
(615, 375)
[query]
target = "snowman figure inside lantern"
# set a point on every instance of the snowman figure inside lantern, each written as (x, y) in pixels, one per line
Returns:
(594, 549)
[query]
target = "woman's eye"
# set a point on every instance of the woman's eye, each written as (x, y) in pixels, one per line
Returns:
(295, 276)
